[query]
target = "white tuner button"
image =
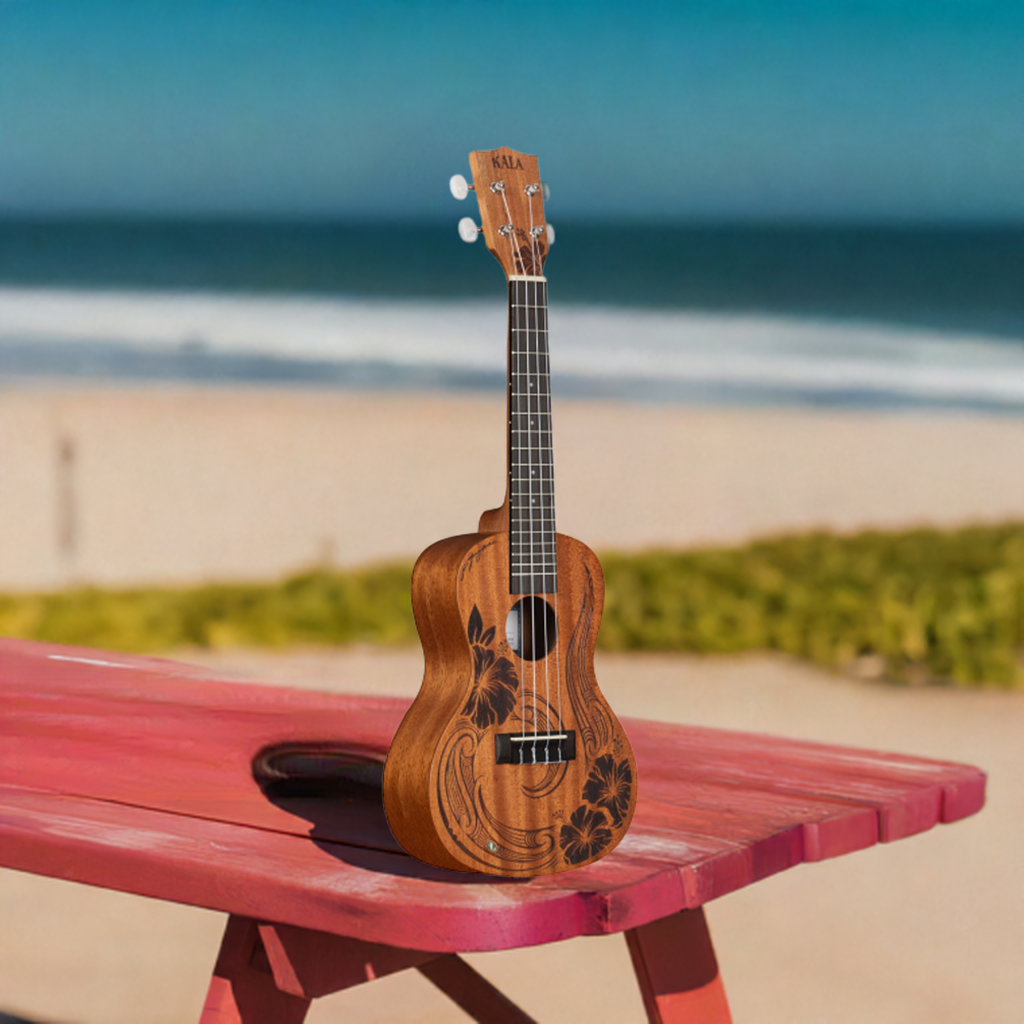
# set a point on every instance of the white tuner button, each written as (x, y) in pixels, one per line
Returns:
(459, 186)
(545, 191)
(551, 235)
(468, 231)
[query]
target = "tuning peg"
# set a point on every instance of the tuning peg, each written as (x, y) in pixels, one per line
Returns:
(460, 188)
(468, 231)
(545, 191)
(551, 235)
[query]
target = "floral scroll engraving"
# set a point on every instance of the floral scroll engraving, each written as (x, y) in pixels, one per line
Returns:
(610, 786)
(585, 836)
(495, 683)
(608, 790)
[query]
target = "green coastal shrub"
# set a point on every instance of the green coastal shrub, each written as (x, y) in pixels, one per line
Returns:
(367, 606)
(925, 604)
(915, 606)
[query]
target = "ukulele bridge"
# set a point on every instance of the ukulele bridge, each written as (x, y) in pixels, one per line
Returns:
(535, 748)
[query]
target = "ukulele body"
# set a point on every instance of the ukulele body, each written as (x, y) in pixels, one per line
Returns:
(450, 798)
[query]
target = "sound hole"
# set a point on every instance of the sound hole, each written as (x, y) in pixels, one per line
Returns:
(318, 770)
(531, 628)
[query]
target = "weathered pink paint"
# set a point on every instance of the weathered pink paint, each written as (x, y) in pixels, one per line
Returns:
(136, 774)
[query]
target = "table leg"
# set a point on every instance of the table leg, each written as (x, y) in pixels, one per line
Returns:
(678, 974)
(243, 990)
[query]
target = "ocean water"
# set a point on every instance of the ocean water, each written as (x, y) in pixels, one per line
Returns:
(826, 316)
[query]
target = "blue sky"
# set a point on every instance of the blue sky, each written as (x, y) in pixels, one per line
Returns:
(897, 110)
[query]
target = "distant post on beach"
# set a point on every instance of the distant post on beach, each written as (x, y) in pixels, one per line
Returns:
(66, 511)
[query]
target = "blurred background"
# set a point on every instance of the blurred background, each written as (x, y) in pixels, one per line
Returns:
(853, 168)
(247, 366)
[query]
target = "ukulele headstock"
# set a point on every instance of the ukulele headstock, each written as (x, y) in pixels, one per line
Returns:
(511, 198)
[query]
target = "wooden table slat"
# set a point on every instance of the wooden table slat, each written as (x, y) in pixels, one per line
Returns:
(135, 774)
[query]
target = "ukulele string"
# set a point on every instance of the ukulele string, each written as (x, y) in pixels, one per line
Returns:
(534, 385)
(534, 255)
(532, 311)
(518, 304)
(512, 236)
(540, 482)
(517, 558)
(554, 541)
(529, 455)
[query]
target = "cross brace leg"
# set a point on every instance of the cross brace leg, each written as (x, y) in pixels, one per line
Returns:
(243, 990)
(270, 973)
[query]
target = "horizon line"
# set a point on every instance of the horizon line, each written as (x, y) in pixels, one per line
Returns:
(271, 218)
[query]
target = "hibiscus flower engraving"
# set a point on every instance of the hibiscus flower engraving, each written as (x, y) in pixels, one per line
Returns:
(495, 682)
(586, 835)
(609, 785)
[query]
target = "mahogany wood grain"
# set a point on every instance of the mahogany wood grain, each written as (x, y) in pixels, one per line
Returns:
(516, 253)
(441, 782)
(407, 773)
(495, 520)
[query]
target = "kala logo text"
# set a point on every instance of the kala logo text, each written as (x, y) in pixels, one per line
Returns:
(505, 163)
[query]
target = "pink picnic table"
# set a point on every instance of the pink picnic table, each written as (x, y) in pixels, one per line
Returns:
(136, 774)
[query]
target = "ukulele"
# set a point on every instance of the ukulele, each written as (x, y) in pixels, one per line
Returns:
(510, 761)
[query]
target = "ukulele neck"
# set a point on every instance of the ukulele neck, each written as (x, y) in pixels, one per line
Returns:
(531, 479)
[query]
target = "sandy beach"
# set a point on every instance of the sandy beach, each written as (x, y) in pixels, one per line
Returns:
(175, 484)
(171, 484)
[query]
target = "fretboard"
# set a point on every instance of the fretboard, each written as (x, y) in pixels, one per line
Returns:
(531, 480)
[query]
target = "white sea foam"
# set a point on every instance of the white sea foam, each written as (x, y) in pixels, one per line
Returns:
(605, 346)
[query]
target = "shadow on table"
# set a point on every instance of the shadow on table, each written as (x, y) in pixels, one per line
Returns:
(338, 790)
